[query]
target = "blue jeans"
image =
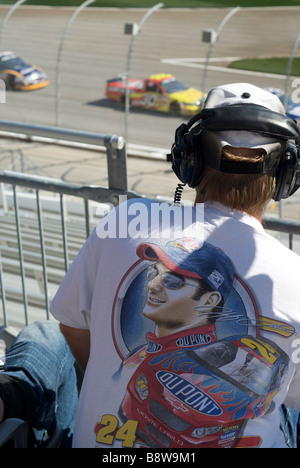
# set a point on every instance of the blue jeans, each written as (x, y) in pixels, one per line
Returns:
(41, 357)
(290, 424)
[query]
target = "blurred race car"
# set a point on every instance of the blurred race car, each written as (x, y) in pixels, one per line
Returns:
(161, 92)
(18, 75)
(292, 108)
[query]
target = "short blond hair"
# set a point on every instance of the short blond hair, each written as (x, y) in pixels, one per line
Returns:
(247, 192)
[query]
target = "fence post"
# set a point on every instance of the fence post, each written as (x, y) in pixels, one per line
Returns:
(213, 40)
(8, 15)
(70, 22)
(116, 163)
(134, 31)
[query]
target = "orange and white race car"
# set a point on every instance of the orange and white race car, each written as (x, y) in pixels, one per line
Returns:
(162, 92)
(18, 75)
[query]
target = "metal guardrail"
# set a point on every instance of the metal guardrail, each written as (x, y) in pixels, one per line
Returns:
(115, 149)
(38, 184)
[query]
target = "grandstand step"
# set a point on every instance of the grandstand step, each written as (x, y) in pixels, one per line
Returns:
(12, 266)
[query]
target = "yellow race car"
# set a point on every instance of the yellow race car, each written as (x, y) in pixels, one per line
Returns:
(162, 92)
(17, 74)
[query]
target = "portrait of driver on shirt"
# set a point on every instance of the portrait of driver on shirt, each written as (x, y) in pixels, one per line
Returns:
(187, 285)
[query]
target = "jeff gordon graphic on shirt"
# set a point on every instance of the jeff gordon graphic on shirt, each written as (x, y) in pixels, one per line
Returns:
(194, 364)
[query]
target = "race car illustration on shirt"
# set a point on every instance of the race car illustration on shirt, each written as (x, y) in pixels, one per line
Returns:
(203, 397)
(197, 367)
(19, 75)
(161, 92)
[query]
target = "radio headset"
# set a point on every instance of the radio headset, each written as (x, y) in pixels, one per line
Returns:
(196, 145)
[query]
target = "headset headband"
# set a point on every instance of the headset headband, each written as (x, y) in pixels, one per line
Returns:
(247, 117)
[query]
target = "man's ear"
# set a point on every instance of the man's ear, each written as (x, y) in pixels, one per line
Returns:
(211, 299)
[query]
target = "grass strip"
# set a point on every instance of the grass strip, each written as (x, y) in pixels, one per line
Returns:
(276, 65)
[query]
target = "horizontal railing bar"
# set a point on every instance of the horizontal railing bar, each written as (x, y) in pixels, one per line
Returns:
(66, 134)
(104, 194)
(282, 225)
(95, 193)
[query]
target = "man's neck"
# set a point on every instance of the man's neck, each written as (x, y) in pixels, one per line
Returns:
(257, 215)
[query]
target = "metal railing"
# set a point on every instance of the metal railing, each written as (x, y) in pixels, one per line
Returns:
(21, 217)
(114, 145)
(291, 228)
(31, 188)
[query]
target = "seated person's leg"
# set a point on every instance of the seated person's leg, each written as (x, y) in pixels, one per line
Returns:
(290, 425)
(39, 381)
(1, 410)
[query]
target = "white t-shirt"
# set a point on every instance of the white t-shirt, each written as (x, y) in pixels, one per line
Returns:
(156, 377)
